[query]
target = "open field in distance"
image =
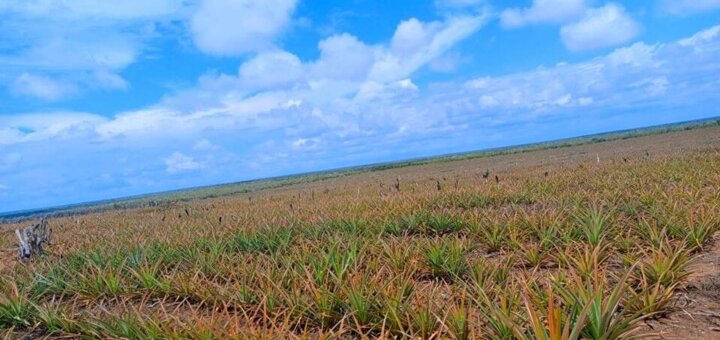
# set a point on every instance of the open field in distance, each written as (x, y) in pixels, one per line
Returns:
(165, 198)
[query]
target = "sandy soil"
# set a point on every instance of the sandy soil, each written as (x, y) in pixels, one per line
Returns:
(696, 312)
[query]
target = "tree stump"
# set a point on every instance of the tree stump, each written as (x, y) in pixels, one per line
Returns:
(32, 238)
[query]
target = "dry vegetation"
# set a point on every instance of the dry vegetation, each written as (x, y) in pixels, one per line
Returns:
(551, 251)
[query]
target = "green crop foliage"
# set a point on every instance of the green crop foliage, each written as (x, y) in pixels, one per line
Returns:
(588, 251)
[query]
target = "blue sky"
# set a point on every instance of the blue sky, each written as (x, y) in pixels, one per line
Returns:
(104, 99)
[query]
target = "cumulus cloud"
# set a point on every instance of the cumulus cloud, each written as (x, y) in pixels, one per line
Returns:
(60, 86)
(654, 86)
(259, 111)
(337, 119)
(33, 127)
(53, 50)
(344, 66)
(205, 145)
(628, 74)
(178, 162)
(272, 69)
(43, 87)
(83, 9)
(84, 46)
(144, 122)
(637, 55)
(633, 74)
(583, 27)
(543, 11)
(414, 44)
(343, 57)
(374, 90)
(683, 7)
(412, 35)
(106, 80)
(703, 39)
(601, 27)
(306, 144)
(234, 27)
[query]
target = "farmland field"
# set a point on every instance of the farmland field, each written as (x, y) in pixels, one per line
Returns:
(603, 240)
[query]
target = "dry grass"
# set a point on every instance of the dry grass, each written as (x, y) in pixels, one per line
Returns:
(589, 251)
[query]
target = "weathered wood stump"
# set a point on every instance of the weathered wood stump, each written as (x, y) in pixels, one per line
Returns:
(32, 238)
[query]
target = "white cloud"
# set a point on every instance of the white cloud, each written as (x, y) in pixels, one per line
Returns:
(234, 27)
(372, 90)
(627, 77)
(601, 27)
(638, 55)
(178, 162)
(360, 109)
(535, 92)
(412, 35)
(343, 57)
(344, 66)
(86, 48)
(271, 70)
(106, 80)
(415, 44)
(306, 144)
(654, 86)
(304, 127)
(543, 11)
(74, 45)
(701, 40)
(487, 101)
(43, 87)
(639, 72)
(32, 127)
(205, 145)
(228, 110)
(55, 88)
(683, 7)
(407, 84)
(83, 9)
(151, 120)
